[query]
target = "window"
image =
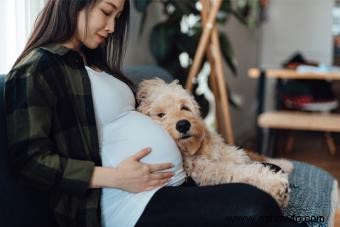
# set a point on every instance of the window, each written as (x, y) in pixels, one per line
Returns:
(17, 19)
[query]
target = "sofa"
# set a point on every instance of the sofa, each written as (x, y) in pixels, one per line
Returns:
(314, 191)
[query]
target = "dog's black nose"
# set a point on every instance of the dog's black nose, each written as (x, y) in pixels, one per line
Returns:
(183, 126)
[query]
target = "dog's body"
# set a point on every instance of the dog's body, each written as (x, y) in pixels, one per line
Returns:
(207, 159)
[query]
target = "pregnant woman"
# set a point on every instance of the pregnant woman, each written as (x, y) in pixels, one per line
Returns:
(122, 131)
(73, 131)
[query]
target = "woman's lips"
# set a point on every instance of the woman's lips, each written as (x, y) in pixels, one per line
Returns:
(101, 38)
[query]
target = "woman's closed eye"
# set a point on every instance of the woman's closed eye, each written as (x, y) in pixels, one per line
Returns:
(107, 12)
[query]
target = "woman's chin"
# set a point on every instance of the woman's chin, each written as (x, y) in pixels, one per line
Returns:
(92, 45)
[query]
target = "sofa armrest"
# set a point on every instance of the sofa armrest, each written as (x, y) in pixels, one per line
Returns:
(314, 195)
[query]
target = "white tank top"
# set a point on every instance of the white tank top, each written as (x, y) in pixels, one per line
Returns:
(123, 132)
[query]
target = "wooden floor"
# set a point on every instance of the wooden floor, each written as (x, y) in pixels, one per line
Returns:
(311, 148)
(337, 218)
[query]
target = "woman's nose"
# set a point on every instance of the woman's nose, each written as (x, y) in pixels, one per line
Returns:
(110, 26)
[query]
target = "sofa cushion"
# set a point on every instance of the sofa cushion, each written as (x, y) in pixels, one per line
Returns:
(314, 193)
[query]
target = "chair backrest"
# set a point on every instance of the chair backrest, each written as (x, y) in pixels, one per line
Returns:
(19, 205)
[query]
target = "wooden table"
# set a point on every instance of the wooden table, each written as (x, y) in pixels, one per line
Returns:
(293, 74)
(290, 119)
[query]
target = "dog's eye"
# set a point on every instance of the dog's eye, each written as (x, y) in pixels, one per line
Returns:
(185, 108)
(161, 115)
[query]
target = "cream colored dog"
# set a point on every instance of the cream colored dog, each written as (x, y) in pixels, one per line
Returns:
(207, 159)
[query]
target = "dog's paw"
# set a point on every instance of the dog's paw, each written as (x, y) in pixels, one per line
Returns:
(285, 165)
(280, 190)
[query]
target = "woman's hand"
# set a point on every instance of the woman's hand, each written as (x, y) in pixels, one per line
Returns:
(132, 175)
(137, 176)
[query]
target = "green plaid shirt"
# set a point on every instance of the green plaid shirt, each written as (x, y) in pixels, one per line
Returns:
(52, 134)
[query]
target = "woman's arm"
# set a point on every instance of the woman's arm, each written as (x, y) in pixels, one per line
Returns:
(132, 175)
(30, 104)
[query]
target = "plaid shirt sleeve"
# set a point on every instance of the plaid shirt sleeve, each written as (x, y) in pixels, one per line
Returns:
(30, 103)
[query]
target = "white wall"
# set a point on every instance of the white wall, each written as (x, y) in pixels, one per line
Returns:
(245, 43)
(297, 25)
(138, 51)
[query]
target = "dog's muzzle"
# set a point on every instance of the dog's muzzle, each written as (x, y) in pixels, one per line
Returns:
(183, 126)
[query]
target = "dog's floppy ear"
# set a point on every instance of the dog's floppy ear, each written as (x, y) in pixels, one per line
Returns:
(147, 87)
(195, 106)
(144, 92)
(175, 83)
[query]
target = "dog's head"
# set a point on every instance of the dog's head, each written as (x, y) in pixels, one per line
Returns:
(176, 110)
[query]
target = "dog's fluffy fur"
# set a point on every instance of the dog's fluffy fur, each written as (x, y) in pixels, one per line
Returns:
(207, 159)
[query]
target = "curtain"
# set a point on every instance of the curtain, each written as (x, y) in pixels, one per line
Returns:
(17, 19)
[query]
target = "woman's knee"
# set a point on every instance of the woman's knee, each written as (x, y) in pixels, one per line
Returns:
(259, 202)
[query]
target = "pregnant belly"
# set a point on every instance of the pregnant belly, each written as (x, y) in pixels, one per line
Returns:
(132, 132)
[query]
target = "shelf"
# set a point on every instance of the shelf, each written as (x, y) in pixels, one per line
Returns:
(300, 121)
(293, 74)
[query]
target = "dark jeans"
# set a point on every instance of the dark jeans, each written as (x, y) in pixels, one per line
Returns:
(233, 204)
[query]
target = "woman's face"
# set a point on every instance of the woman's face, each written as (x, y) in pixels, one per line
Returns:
(100, 23)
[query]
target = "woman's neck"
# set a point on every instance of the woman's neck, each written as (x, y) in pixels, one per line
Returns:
(72, 44)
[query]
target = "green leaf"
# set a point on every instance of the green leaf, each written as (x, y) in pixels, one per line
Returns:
(246, 12)
(174, 67)
(162, 40)
(241, 19)
(231, 100)
(188, 43)
(241, 3)
(141, 5)
(228, 53)
(186, 7)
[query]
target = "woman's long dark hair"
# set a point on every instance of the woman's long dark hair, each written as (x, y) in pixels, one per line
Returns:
(57, 23)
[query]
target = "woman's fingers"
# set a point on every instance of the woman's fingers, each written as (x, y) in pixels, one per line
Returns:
(141, 154)
(152, 167)
(159, 167)
(160, 176)
(156, 183)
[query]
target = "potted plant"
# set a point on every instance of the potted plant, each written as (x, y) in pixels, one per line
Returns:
(173, 41)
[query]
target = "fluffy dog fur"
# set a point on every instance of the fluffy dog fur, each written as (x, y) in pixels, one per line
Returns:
(206, 158)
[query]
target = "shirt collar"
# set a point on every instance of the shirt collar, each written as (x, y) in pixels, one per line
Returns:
(58, 49)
